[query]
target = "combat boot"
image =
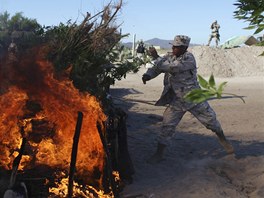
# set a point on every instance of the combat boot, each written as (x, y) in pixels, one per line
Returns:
(158, 155)
(224, 142)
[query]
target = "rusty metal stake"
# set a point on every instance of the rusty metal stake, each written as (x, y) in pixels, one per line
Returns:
(74, 153)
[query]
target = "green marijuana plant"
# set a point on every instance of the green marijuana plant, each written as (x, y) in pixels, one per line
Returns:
(209, 91)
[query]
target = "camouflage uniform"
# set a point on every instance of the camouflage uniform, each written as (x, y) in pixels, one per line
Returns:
(12, 52)
(215, 33)
(179, 78)
(140, 49)
(12, 48)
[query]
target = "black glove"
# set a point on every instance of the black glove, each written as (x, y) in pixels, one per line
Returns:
(145, 78)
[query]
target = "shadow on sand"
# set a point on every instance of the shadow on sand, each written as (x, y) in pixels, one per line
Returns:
(186, 144)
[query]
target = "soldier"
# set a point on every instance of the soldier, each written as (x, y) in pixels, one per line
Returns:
(215, 33)
(180, 78)
(12, 52)
(12, 48)
(140, 49)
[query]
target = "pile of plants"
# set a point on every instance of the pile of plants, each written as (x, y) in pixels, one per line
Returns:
(89, 52)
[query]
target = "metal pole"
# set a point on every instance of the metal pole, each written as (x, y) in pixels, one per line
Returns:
(134, 45)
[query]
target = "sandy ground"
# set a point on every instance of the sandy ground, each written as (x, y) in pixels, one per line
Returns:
(196, 166)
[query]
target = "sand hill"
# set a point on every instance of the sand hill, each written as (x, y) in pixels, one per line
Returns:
(242, 61)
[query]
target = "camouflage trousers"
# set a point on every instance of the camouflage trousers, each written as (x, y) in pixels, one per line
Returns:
(217, 39)
(173, 115)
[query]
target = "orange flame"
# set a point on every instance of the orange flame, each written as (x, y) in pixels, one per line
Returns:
(32, 79)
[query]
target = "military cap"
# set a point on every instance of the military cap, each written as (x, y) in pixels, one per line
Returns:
(181, 40)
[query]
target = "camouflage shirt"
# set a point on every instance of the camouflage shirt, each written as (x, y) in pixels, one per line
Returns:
(180, 76)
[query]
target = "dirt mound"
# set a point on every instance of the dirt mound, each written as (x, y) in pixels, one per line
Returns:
(241, 61)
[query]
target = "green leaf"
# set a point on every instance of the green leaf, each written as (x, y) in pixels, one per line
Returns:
(203, 82)
(199, 100)
(258, 30)
(218, 95)
(250, 27)
(198, 95)
(212, 81)
(221, 88)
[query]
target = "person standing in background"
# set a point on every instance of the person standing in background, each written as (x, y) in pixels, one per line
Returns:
(215, 33)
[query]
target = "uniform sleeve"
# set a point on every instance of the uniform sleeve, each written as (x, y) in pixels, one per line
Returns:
(154, 71)
(184, 63)
(165, 64)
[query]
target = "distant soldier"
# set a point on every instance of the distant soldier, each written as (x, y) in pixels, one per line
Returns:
(141, 48)
(215, 33)
(12, 48)
(12, 52)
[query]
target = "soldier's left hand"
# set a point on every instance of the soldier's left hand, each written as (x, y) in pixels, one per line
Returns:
(153, 52)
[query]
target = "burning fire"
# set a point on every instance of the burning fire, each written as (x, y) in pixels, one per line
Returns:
(43, 109)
